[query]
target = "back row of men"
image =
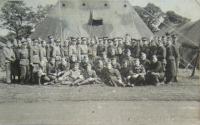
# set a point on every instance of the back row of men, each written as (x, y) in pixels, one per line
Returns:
(79, 61)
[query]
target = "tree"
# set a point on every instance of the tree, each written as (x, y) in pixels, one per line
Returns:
(17, 18)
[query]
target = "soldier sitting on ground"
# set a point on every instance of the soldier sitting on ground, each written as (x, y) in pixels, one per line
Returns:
(137, 77)
(115, 64)
(155, 74)
(52, 72)
(125, 72)
(112, 76)
(99, 69)
(63, 67)
(90, 77)
(73, 76)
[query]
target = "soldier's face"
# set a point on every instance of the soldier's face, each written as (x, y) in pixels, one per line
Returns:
(154, 59)
(125, 64)
(109, 66)
(19, 44)
(104, 56)
(89, 68)
(145, 42)
(143, 56)
(137, 62)
(53, 61)
(120, 50)
(73, 58)
(114, 61)
(86, 59)
(128, 53)
(24, 46)
(100, 64)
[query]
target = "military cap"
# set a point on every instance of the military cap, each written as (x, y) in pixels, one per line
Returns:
(174, 36)
(144, 38)
(105, 38)
(23, 42)
(36, 41)
(57, 40)
(167, 33)
(84, 38)
(50, 37)
(73, 39)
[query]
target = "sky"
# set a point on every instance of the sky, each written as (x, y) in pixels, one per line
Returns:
(186, 8)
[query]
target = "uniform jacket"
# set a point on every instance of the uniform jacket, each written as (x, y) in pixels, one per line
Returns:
(8, 54)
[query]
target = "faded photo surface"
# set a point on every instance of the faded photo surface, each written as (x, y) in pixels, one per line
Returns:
(99, 62)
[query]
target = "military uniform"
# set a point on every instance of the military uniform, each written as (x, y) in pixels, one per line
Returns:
(155, 74)
(35, 62)
(136, 50)
(57, 54)
(24, 64)
(100, 50)
(92, 52)
(112, 77)
(52, 72)
(9, 59)
(15, 64)
(146, 49)
(171, 57)
(65, 52)
(43, 58)
(138, 73)
(145, 63)
(130, 60)
(90, 78)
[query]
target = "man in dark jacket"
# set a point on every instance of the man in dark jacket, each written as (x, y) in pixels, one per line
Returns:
(171, 57)
(155, 73)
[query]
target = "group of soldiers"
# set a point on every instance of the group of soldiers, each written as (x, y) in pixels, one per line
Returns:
(119, 61)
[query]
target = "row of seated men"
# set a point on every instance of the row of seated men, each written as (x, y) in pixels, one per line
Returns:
(79, 60)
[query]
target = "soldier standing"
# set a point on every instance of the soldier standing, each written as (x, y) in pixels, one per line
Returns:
(43, 56)
(65, 49)
(171, 57)
(73, 47)
(50, 48)
(177, 47)
(145, 47)
(92, 50)
(16, 66)
(24, 62)
(161, 53)
(100, 48)
(57, 53)
(35, 61)
(83, 48)
(9, 59)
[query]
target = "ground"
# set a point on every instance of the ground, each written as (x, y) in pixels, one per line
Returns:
(177, 104)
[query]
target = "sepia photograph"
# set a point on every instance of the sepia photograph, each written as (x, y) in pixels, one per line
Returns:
(99, 62)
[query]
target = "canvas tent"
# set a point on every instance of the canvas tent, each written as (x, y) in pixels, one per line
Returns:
(91, 18)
